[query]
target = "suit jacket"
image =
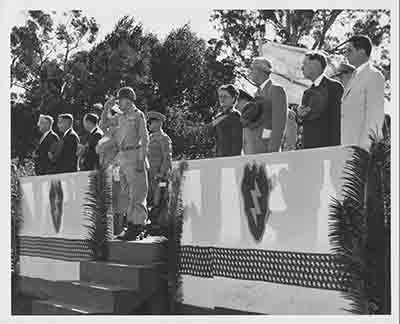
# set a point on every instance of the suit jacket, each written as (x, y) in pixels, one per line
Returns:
(228, 134)
(66, 158)
(274, 101)
(321, 127)
(43, 164)
(90, 157)
(362, 106)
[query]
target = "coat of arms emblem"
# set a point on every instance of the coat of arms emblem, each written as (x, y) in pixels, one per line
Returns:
(256, 189)
(56, 197)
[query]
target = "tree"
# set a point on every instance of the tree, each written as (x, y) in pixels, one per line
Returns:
(40, 52)
(187, 72)
(41, 70)
(123, 58)
(243, 29)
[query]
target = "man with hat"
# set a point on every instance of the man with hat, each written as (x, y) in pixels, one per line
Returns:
(65, 156)
(131, 138)
(160, 156)
(90, 159)
(43, 164)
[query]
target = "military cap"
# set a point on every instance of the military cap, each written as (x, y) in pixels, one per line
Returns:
(251, 113)
(92, 118)
(155, 115)
(126, 92)
(66, 116)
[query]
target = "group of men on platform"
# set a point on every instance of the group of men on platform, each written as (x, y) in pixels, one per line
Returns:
(332, 112)
(119, 139)
(339, 110)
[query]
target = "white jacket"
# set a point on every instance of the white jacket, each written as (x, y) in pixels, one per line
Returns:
(362, 106)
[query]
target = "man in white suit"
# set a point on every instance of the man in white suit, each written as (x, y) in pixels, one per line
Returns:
(363, 100)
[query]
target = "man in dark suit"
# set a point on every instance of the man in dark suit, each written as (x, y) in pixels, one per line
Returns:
(43, 164)
(320, 106)
(65, 157)
(90, 159)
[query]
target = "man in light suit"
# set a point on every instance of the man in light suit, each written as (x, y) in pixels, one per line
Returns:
(273, 99)
(363, 98)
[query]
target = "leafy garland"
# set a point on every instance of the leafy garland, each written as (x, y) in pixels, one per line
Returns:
(175, 223)
(360, 228)
(16, 217)
(97, 207)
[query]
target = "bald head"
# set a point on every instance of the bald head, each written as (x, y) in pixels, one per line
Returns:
(261, 69)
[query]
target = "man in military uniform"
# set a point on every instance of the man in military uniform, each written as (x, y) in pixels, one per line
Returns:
(160, 156)
(131, 138)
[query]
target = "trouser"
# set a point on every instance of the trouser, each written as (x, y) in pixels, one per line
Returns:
(135, 183)
(159, 210)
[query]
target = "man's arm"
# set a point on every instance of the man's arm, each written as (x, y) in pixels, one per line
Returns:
(335, 112)
(374, 107)
(236, 135)
(144, 137)
(104, 118)
(279, 115)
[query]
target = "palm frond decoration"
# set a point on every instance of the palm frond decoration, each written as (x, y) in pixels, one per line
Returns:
(97, 206)
(360, 228)
(16, 217)
(175, 223)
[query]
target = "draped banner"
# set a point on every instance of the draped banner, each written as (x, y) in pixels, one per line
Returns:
(53, 236)
(256, 233)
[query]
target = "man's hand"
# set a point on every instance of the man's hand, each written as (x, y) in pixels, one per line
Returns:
(81, 149)
(303, 111)
(217, 120)
(109, 103)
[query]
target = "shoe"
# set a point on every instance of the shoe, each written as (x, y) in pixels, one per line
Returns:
(129, 233)
(142, 232)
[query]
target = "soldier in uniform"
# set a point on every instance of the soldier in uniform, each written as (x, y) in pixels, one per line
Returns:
(160, 156)
(131, 138)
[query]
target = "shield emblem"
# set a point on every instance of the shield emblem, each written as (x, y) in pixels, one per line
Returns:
(256, 189)
(56, 197)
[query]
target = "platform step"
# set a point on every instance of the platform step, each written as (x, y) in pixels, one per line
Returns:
(150, 250)
(141, 278)
(54, 307)
(110, 298)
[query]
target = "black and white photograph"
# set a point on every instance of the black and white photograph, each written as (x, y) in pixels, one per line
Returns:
(202, 161)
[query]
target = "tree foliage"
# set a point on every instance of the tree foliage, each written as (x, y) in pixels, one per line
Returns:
(41, 52)
(243, 29)
(58, 66)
